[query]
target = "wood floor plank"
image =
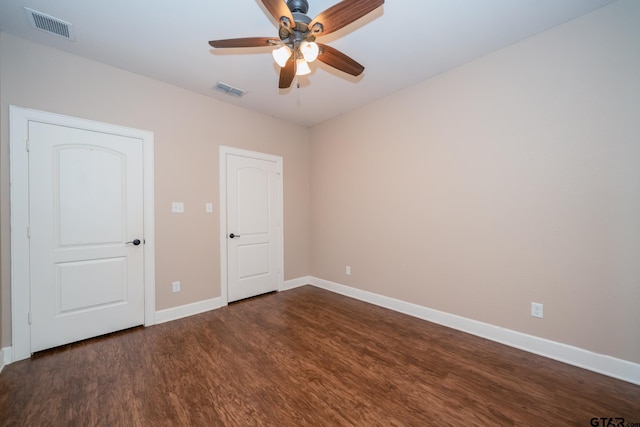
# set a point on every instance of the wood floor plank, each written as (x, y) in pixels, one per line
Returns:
(303, 357)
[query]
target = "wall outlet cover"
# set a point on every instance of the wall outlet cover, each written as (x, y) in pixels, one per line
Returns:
(537, 310)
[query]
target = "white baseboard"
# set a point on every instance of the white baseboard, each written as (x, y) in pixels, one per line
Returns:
(186, 310)
(600, 363)
(5, 357)
(295, 283)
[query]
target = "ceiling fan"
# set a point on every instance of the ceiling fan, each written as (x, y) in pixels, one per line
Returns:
(296, 45)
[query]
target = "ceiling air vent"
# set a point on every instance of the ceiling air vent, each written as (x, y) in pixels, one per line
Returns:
(229, 90)
(51, 25)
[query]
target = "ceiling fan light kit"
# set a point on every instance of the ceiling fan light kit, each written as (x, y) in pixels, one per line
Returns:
(282, 55)
(310, 50)
(296, 45)
(302, 68)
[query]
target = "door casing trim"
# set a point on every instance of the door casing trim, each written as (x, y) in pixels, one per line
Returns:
(19, 176)
(224, 152)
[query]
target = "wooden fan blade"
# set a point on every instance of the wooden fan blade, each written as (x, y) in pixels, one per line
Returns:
(339, 60)
(244, 42)
(287, 73)
(278, 9)
(343, 14)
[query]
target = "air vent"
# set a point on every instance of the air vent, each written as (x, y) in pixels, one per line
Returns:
(229, 90)
(49, 24)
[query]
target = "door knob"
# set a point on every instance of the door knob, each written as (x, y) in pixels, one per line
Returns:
(136, 242)
(232, 236)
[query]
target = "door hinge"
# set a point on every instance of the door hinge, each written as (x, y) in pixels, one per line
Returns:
(28, 232)
(29, 317)
(28, 146)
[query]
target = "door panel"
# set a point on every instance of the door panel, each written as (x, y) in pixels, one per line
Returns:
(108, 284)
(90, 191)
(255, 260)
(252, 191)
(252, 216)
(86, 203)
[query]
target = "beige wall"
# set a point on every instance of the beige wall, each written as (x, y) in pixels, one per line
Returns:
(189, 129)
(514, 178)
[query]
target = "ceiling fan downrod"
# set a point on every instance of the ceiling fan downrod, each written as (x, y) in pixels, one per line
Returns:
(298, 6)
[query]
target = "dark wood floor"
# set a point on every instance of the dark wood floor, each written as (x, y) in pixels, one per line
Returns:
(303, 357)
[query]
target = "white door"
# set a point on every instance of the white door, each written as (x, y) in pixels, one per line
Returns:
(253, 255)
(86, 234)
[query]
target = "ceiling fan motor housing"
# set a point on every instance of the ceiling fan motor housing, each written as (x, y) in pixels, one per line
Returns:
(300, 31)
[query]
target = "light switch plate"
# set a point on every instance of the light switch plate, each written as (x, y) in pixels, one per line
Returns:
(208, 208)
(177, 207)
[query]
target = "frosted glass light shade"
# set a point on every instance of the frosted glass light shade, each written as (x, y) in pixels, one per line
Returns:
(302, 68)
(309, 50)
(281, 55)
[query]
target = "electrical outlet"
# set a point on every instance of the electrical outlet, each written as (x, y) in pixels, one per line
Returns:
(175, 286)
(348, 271)
(537, 310)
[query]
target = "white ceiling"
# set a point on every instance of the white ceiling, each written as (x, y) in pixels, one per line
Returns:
(400, 44)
